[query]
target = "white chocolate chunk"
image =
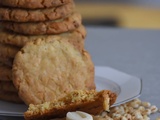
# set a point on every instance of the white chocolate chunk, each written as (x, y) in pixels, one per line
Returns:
(78, 115)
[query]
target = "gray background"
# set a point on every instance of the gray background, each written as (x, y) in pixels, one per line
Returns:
(133, 51)
(151, 3)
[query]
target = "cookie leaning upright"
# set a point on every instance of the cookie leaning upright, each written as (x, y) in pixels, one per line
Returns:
(45, 70)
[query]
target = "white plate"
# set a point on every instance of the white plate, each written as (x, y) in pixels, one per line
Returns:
(126, 86)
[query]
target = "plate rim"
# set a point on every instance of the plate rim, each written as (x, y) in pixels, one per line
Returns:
(132, 98)
(19, 114)
(124, 73)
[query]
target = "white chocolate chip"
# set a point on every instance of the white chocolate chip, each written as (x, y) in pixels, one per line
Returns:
(133, 110)
(78, 115)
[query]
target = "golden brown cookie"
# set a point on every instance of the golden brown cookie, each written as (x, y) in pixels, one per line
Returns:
(25, 15)
(45, 70)
(8, 51)
(6, 61)
(34, 4)
(20, 40)
(10, 97)
(91, 102)
(69, 23)
(7, 86)
(5, 73)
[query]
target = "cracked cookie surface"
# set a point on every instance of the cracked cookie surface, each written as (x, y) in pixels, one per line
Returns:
(26, 15)
(75, 37)
(34, 4)
(67, 24)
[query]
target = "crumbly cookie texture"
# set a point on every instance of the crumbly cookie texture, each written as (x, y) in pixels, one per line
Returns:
(38, 15)
(75, 37)
(45, 70)
(34, 4)
(67, 24)
(5, 72)
(88, 101)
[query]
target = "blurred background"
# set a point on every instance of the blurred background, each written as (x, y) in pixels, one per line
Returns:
(141, 14)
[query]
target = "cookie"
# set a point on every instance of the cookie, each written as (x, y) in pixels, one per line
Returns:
(8, 51)
(91, 102)
(20, 40)
(38, 15)
(5, 73)
(7, 86)
(49, 27)
(10, 97)
(34, 4)
(45, 70)
(6, 61)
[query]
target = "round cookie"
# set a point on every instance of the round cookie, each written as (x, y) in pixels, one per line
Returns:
(6, 61)
(38, 15)
(45, 70)
(20, 40)
(10, 97)
(8, 51)
(69, 23)
(7, 86)
(34, 4)
(5, 73)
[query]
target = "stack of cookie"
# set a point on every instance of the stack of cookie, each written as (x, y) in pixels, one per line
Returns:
(24, 21)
